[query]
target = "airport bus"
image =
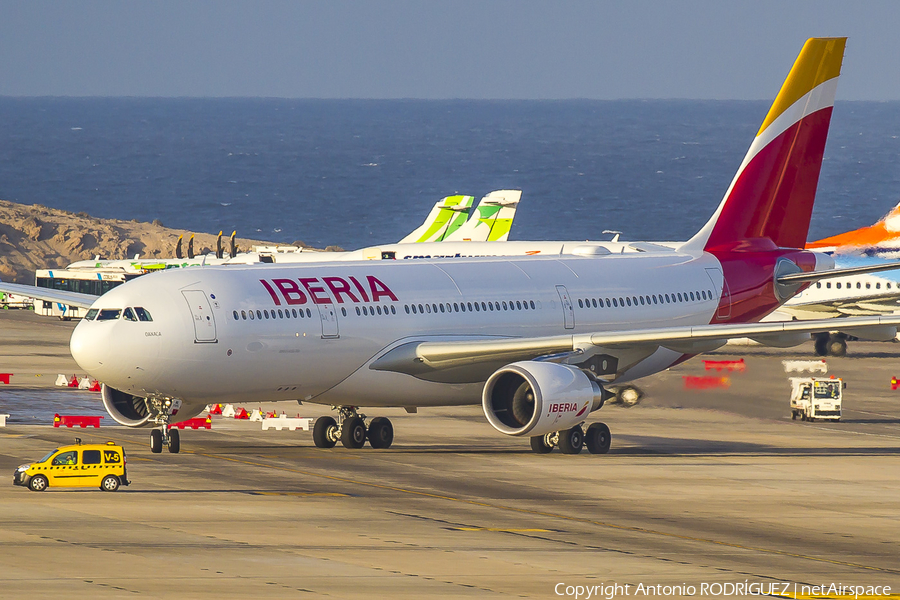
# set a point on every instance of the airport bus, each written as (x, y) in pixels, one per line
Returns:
(93, 282)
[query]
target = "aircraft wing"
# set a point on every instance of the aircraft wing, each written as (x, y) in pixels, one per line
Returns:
(50, 295)
(423, 359)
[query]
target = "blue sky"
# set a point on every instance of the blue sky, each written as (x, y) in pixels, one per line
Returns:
(428, 49)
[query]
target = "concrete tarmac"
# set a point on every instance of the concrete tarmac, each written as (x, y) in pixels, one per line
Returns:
(700, 487)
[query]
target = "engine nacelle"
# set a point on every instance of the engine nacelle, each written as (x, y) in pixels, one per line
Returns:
(534, 398)
(136, 411)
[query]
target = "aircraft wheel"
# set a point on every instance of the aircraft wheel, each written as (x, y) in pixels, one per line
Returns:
(821, 345)
(539, 444)
(353, 432)
(38, 483)
(174, 441)
(381, 433)
(323, 432)
(156, 441)
(598, 438)
(571, 441)
(110, 483)
(837, 347)
(628, 396)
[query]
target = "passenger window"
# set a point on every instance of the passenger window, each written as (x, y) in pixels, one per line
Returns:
(442, 308)
(455, 307)
(109, 314)
(90, 457)
(838, 285)
(628, 301)
(421, 310)
(294, 312)
(518, 305)
(91, 314)
(428, 308)
(434, 307)
(405, 306)
(642, 300)
(308, 313)
(679, 297)
(365, 311)
(259, 314)
(504, 305)
(236, 317)
(858, 285)
(878, 286)
(244, 315)
(343, 311)
(476, 307)
(66, 458)
(667, 298)
(692, 296)
(281, 314)
(616, 304)
(580, 303)
(393, 310)
(828, 284)
(868, 286)
(469, 305)
(607, 302)
(251, 315)
(378, 308)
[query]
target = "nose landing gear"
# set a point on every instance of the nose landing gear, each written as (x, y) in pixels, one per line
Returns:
(351, 430)
(164, 436)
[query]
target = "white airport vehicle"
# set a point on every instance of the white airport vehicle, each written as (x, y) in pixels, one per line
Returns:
(541, 337)
(816, 398)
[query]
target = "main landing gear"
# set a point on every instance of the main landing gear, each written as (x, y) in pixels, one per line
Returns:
(351, 430)
(831, 344)
(570, 441)
(163, 436)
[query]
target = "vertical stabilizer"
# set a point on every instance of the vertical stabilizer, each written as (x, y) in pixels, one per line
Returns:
(491, 220)
(771, 197)
(445, 217)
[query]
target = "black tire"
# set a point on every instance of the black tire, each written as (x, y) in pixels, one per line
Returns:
(353, 433)
(174, 441)
(322, 432)
(837, 347)
(793, 415)
(539, 444)
(110, 483)
(598, 438)
(38, 483)
(821, 345)
(156, 441)
(381, 433)
(571, 441)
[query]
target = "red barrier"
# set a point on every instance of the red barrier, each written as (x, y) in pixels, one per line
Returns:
(216, 409)
(4, 377)
(894, 383)
(726, 365)
(271, 415)
(74, 382)
(195, 423)
(95, 387)
(242, 414)
(692, 382)
(71, 420)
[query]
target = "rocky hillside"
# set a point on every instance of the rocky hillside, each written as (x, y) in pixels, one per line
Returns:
(36, 237)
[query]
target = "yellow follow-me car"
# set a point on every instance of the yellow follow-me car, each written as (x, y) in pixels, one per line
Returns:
(79, 465)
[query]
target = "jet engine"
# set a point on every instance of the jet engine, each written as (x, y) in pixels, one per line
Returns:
(136, 411)
(535, 398)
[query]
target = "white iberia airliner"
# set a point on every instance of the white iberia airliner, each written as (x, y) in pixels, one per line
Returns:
(540, 336)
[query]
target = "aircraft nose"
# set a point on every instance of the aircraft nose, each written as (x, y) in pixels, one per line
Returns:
(88, 348)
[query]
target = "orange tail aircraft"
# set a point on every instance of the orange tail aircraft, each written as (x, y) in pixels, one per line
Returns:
(885, 232)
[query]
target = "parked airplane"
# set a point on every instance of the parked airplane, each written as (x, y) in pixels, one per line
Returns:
(542, 335)
(447, 215)
(878, 238)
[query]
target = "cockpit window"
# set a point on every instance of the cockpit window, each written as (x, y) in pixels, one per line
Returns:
(143, 314)
(109, 314)
(128, 315)
(91, 314)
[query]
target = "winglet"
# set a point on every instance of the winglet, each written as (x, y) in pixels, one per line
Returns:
(770, 200)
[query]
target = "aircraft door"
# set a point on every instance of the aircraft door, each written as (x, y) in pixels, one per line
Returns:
(204, 320)
(568, 309)
(328, 316)
(721, 287)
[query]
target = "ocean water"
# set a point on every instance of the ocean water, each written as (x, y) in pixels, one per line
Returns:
(356, 172)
